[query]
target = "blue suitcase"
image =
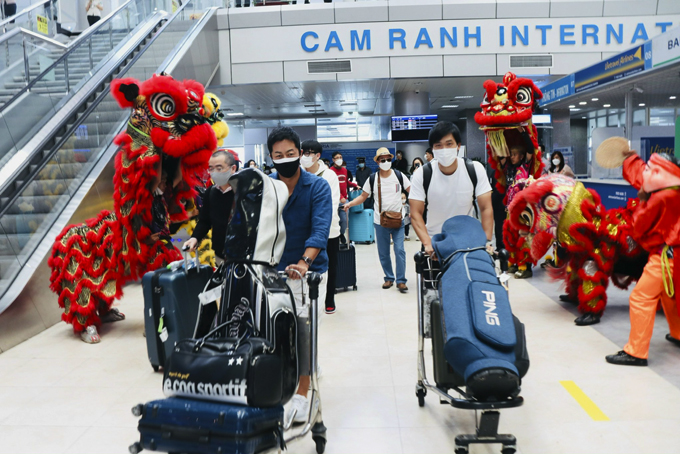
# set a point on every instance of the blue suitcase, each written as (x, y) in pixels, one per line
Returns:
(480, 338)
(171, 308)
(200, 427)
(361, 229)
(353, 195)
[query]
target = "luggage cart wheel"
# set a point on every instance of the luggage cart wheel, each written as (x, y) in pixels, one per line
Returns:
(420, 394)
(135, 448)
(155, 367)
(508, 450)
(461, 450)
(320, 444)
(354, 288)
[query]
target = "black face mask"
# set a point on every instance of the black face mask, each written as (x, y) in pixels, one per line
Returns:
(287, 166)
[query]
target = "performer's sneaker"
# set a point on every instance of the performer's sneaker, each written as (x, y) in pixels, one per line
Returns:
(330, 308)
(589, 318)
(114, 315)
(512, 269)
(90, 335)
(568, 299)
(524, 274)
(673, 340)
(624, 359)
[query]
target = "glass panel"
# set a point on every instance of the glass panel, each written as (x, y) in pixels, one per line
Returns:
(601, 122)
(639, 117)
(613, 120)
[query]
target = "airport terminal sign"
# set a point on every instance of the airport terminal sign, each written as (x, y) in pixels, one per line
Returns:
(450, 37)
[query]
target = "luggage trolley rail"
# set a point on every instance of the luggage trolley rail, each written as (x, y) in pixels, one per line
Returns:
(427, 277)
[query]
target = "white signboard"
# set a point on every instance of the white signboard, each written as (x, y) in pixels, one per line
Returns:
(449, 37)
(666, 48)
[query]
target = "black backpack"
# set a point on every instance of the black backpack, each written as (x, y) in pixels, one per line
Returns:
(469, 166)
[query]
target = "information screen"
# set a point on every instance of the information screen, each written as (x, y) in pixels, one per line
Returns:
(412, 128)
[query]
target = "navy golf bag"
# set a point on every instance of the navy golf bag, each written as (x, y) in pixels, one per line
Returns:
(479, 331)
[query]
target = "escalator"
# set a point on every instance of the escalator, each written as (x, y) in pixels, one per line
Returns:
(67, 177)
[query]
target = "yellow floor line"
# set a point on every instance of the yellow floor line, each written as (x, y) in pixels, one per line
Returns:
(584, 401)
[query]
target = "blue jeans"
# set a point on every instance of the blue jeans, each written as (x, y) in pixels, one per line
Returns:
(382, 238)
(343, 221)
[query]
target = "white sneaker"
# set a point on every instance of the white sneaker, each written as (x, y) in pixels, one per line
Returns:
(300, 406)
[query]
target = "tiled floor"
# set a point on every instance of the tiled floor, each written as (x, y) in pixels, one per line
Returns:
(59, 395)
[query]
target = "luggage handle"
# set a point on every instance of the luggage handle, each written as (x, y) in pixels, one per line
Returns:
(185, 255)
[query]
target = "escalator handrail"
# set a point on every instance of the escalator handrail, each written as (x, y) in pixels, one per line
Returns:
(69, 48)
(19, 189)
(27, 10)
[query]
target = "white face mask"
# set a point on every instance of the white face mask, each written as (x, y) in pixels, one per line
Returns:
(220, 178)
(307, 161)
(385, 166)
(338, 162)
(556, 162)
(446, 156)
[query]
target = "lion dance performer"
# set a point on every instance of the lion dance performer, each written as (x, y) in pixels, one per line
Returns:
(513, 151)
(656, 225)
(166, 146)
(599, 242)
(211, 111)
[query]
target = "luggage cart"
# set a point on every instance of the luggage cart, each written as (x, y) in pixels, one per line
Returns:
(427, 279)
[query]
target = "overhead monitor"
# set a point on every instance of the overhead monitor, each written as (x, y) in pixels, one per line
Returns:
(412, 128)
(543, 119)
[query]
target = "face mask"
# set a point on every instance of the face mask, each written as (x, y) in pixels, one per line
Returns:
(446, 156)
(220, 178)
(338, 162)
(417, 166)
(385, 166)
(253, 166)
(362, 165)
(556, 162)
(307, 161)
(287, 166)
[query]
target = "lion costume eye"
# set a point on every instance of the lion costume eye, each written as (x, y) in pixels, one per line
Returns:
(524, 95)
(162, 105)
(527, 217)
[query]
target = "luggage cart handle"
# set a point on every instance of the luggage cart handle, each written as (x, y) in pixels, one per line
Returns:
(503, 256)
(421, 261)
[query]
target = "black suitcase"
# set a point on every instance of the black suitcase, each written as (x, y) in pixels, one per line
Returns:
(170, 308)
(347, 268)
(193, 426)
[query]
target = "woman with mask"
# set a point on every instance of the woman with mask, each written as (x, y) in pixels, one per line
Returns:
(251, 164)
(557, 165)
(217, 204)
(417, 163)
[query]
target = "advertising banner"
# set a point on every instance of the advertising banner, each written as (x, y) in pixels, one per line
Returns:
(614, 68)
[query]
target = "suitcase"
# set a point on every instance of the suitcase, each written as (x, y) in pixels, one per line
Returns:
(346, 276)
(480, 338)
(361, 229)
(171, 307)
(353, 195)
(192, 426)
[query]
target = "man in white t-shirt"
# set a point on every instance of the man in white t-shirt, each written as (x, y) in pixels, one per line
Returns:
(450, 189)
(388, 198)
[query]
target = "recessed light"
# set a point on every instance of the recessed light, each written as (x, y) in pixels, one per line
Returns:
(671, 97)
(642, 104)
(582, 103)
(234, 114)
(595, 99)
(572, 106)
(583, 118)
(449, 106)
(607, 105)
(575, 110)
(463, 97)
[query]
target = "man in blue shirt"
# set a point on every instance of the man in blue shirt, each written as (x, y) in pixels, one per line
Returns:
(307, 217)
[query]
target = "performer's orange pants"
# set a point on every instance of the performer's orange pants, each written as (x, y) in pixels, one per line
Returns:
(643, 303)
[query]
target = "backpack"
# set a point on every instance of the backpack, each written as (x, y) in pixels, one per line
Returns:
(400, 177)
(469, 166)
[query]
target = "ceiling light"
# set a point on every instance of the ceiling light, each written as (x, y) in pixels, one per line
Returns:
(582, 103)
(464, 97)
(572, 106)
(234, 114)
(595, 99)
(583, 118)
(607, 105)
(450, 106)
(575, 110)
(642, 104)
(671, 97)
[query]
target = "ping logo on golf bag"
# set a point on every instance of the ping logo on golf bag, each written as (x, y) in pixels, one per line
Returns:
(490, 312)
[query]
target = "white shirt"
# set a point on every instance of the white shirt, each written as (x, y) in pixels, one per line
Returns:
(390, 193)
(94, 11)
(333, 182)
(448, 195)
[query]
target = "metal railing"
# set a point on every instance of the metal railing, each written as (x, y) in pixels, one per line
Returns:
(24, 12)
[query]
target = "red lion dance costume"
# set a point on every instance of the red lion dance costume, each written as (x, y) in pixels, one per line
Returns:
(167, 143)
(506, 119)
(599, 242)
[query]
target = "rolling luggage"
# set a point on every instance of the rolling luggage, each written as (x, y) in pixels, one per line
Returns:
(353, 195)
(199, 427)
(480, 337)
(347, 268)
(361, 229)
(171, 307)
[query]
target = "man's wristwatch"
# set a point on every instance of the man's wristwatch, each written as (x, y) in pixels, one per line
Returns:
(307, 261)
